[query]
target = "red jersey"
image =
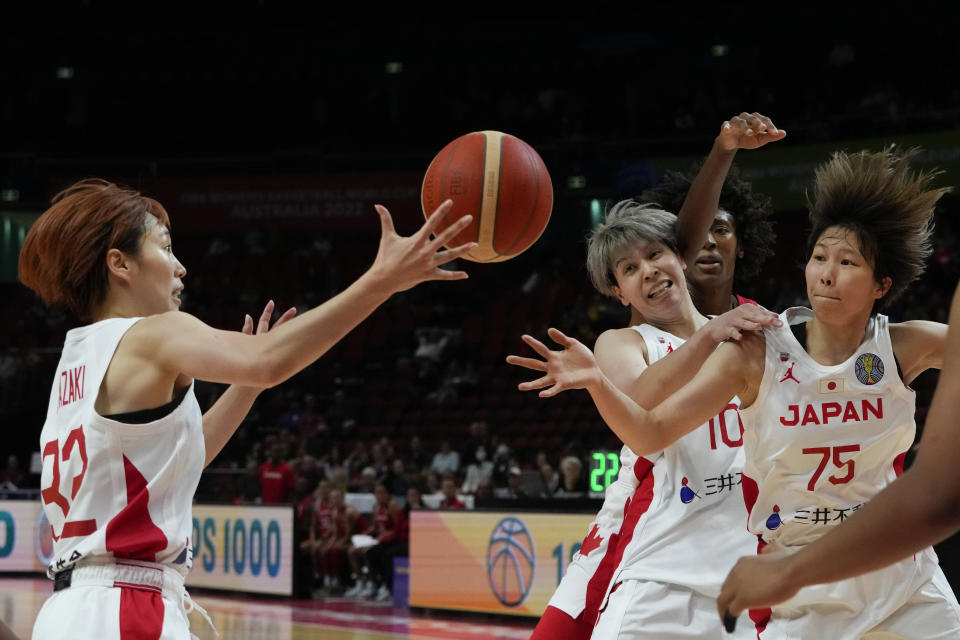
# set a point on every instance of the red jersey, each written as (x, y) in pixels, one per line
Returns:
(322, 518)
(277, 482)
(452, 503)
(388, 524)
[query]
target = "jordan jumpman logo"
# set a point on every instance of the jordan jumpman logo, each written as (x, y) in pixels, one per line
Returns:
(790, 375)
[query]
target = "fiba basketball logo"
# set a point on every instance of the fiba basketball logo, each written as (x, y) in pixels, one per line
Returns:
(511, 559)
(868, 368)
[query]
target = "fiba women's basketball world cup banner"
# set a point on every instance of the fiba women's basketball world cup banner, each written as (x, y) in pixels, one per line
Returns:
(491, 562)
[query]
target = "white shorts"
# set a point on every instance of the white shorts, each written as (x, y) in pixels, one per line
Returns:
(127, 600)
(889, 604)
(645, 610)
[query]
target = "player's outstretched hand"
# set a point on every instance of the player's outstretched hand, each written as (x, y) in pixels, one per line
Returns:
(749, 131)
(746, 317)
(405, 261)
(756, 582)
(572, 367)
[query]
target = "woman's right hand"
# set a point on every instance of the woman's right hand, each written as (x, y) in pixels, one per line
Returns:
(746, 317)
(405, 261)
(572, 367)
(748, 131)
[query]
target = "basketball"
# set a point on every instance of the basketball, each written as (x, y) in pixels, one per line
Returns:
(499, 180)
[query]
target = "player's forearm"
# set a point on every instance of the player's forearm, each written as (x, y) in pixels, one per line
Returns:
(896, 524)
(633, 424)
(221, 420)
(700, 205)
(668, 375)
(293, 346)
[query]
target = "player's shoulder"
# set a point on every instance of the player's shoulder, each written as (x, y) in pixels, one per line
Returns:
(913, 328)
(916, 335)
(619, 337)
(164, 325)
(617, 342)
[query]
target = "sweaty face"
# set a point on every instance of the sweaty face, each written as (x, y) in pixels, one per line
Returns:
(717, 259)
(156, 273)
(650, 277)
(840, 279)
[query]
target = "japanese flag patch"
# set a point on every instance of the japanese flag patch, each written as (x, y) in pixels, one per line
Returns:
(831, 385)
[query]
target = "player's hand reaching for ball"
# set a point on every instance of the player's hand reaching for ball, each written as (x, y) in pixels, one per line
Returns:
(746, 317)
(405, 261)
(748, 131)
(572, 367)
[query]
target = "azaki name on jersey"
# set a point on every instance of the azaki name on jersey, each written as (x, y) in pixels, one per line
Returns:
(71, 385)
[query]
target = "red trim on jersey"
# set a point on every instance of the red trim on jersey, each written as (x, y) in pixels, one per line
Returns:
(635, 507)
(78, 528)
(750, 492)
(555, 623)
(131, 533)
(141, 614)
(741, 300)
(898, 463)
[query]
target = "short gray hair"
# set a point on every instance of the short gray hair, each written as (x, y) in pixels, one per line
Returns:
(626, 223)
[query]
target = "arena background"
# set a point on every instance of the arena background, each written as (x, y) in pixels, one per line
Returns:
(269, 132)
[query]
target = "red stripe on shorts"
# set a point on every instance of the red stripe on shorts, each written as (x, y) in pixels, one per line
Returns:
(141, 614)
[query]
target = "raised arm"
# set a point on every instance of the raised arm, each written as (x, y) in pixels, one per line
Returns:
(724, 375)
(618, 353)
(746, 131)
(730, 370)
(184, 346)
(925, 499)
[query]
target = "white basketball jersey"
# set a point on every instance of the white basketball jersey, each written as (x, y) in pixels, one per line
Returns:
(689, 517)
(111, 489)
(822, 440)
(585, 582)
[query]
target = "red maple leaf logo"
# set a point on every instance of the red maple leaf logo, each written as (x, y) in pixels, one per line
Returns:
(591, 542)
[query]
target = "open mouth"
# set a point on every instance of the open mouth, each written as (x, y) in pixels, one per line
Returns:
(659, 289)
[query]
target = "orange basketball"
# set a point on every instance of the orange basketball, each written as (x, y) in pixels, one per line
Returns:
(502, 182)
